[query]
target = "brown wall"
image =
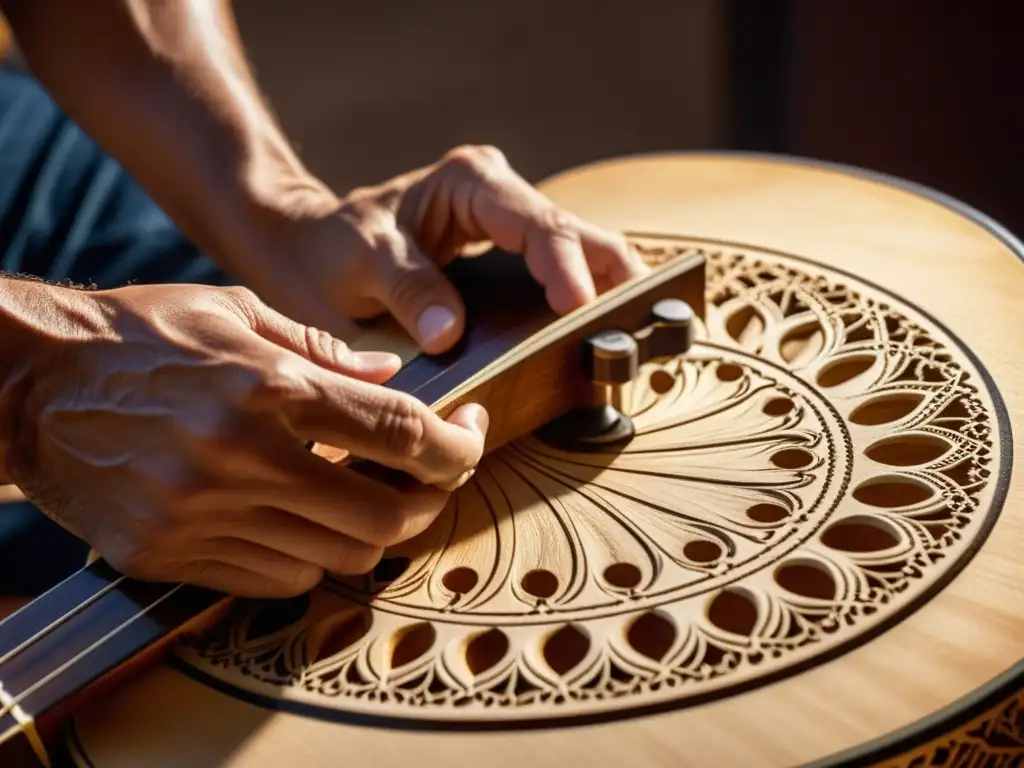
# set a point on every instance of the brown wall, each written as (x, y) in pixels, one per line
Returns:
(372, 89)
(926, 89)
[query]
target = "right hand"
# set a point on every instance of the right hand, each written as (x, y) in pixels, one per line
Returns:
(167, 429)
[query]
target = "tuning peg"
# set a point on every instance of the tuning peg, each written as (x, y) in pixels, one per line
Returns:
(670, 333)
(611, 357)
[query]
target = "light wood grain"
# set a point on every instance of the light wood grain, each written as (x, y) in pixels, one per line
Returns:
(971, 632)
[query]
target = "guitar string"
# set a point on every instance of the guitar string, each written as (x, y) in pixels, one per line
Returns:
(58, 621)
(15, 701)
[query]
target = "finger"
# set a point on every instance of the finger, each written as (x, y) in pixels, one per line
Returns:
(315, 345)
(563, 253)
(556, 260)
(388, 427)
(301, 539)
(348, 503)
(415, 291)
(227, 575)
(612, 261)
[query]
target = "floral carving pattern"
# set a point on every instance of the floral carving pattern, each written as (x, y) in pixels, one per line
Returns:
(818, 460)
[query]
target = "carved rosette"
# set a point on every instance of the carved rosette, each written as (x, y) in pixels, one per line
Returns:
(821, 459)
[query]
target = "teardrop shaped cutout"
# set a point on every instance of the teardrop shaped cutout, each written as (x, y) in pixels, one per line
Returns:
(746, 327)
(460, 580)
(802, 344)
(886, 409)
(845, 370)
(661, 381)
(733, 611)
(623, 575)
(892, 492)
(860, 534)
(344, 635)
(415, 641)
(767, 513)
(540, 583)
(792, 458)
(485, 650)
(702, 551)
(565, 649)
(806, 579)
(907, 450)
(652, 635)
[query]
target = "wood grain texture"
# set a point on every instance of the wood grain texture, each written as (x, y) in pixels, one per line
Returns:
(902, 254)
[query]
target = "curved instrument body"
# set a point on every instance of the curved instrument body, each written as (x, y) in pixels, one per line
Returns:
(808, 552)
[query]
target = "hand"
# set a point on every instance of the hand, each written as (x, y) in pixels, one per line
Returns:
(380, 248)
(166, 425)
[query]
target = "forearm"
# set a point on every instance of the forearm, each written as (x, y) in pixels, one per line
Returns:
(164, 87)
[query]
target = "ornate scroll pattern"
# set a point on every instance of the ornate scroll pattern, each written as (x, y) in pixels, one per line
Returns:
(820, 458)
(994, 739)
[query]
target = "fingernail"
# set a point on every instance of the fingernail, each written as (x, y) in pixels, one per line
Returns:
(435, 321)
(480, 418)
(377, 360)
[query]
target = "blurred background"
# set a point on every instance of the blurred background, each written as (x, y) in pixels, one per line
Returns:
(924, 89)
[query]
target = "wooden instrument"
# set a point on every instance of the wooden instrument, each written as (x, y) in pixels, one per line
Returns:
(781, 527)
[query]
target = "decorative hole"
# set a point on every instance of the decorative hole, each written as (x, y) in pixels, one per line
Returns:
(343, 636)
(390, 569)
(733, 611)
(413, 643)
(728, 372)
(565, 649)
(486, 650)
(623, 575)
(767, 513)
(862, 534)
(778, 406)
(662, 381)
(792, 458)
(892, 492)
(651, 635)
(886, 409)
(540, 583)
(746, 326)
(807, 579)
(460, 580)
(845, 370)
(702, 551)
(802, 344)
(907, 450)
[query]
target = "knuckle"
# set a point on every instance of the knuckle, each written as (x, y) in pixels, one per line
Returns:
(301, 579)
(242, 299)
(135, 558)
(478, 159)
(400, 426)
(558, 224)
(357, 559)
(407, 288)
(323, 350)
(391, 526)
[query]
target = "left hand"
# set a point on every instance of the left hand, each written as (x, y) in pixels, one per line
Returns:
(380, 249)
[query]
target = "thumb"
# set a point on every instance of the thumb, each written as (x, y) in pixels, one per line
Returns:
(417, 294)
(320, 347)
